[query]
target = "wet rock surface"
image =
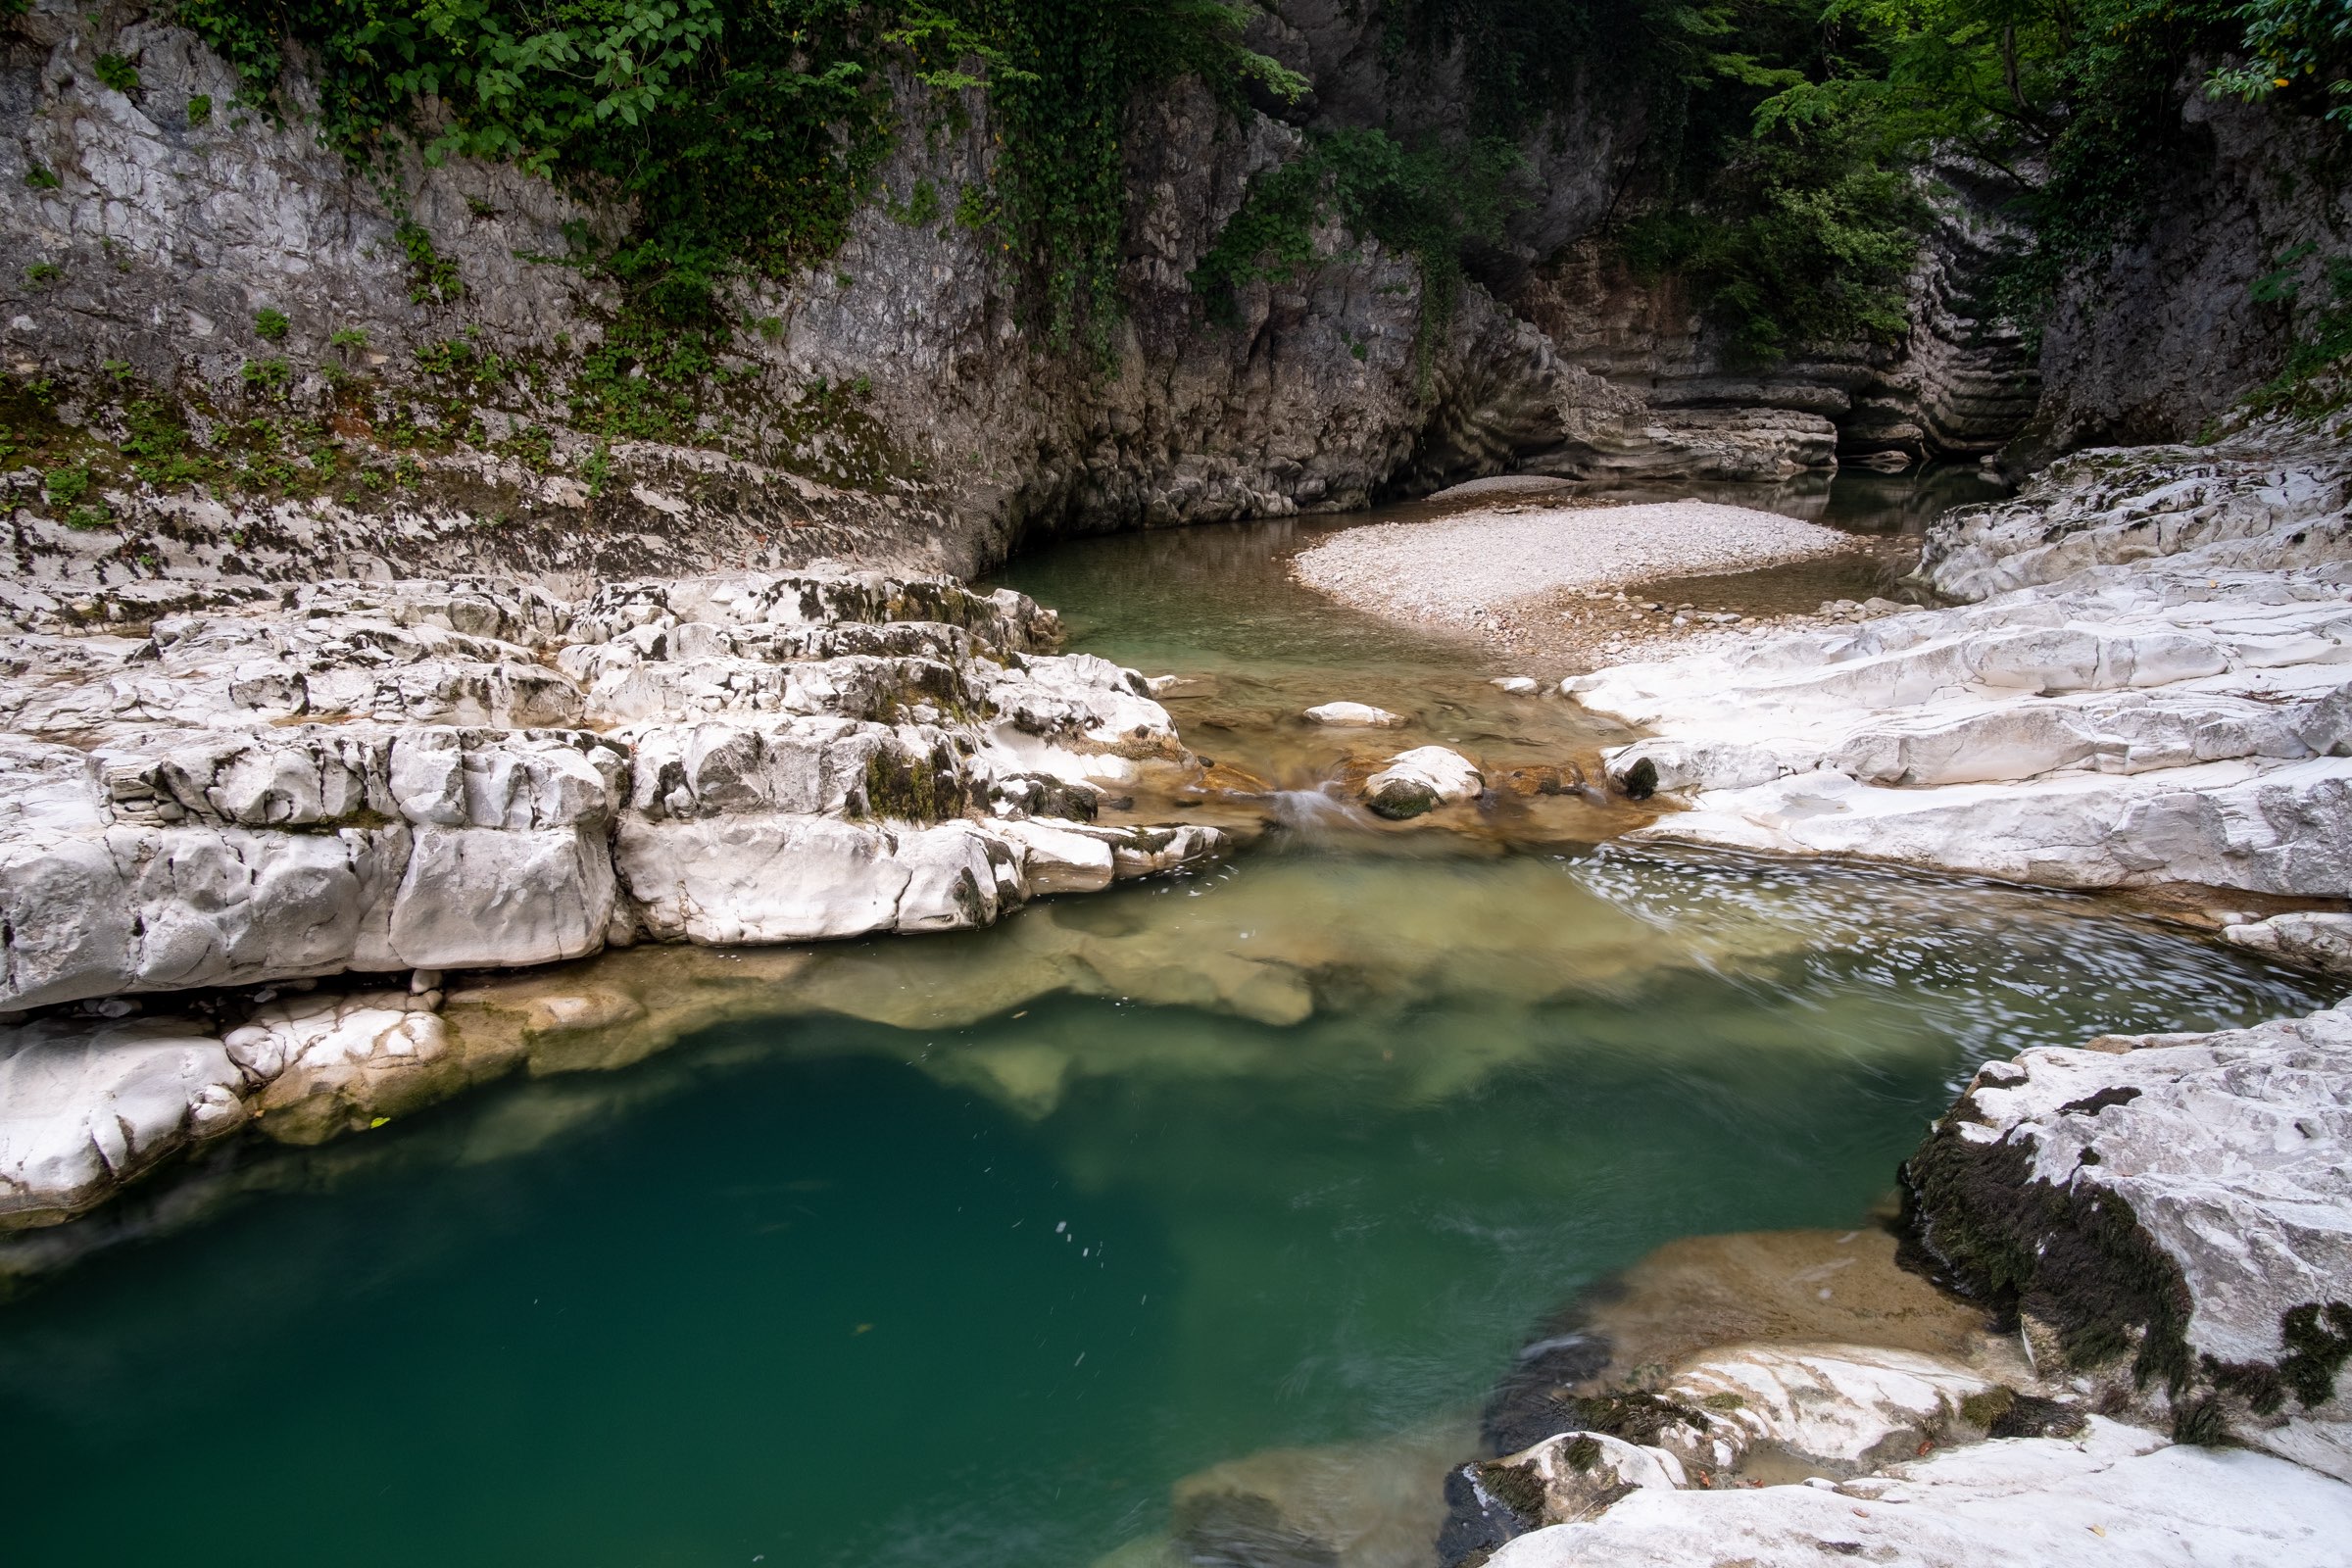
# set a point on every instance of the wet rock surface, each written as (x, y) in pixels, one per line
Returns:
(2117, 1494)
(1422, 780)
(426, 775)
(2318, 941)
(2150, 1229)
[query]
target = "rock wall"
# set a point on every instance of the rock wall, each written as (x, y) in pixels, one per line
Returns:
(892, 412)
(2164, 336)
(958, 440)
(1957, 387)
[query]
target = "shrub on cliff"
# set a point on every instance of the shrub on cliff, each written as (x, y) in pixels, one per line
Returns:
(745, 133)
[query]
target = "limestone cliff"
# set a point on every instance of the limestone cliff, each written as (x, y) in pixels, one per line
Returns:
(889, 409)
(2165, 335)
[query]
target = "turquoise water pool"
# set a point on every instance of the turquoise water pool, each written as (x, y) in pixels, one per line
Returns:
(964, 1251)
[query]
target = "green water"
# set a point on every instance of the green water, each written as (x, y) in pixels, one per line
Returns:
(970, 1248)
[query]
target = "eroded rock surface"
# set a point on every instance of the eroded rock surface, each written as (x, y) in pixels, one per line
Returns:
(2118, 1495)
(2316, 941)
(2173, 1214)
(2154, 686)
(2154, 1230)
(426, 775)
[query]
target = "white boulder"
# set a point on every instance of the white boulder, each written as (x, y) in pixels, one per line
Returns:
(2175, 1212)
(1354, 716)
(86, 1105)
(1422, 780)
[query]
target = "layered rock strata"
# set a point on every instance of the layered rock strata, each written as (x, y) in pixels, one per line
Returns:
(1958, 385)
(891, 406)
(2152, 684)
(418, 776)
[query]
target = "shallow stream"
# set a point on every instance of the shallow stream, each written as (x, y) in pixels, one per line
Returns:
(966, 1251)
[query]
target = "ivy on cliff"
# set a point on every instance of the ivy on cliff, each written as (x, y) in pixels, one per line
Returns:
(1777, 135)
(745, 133)
(2078, 103)
(1433, 202)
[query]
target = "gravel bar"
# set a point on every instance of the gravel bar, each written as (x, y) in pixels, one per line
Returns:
(1455, 570)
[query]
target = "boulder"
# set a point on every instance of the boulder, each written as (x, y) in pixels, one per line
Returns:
(86, 1105)
(1354, 716)
(1422, 780)
(2170, 1214)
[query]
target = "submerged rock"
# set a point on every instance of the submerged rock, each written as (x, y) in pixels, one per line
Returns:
(1565, 778)
(1354, 716)
(1348, 1505)
(1422, 780)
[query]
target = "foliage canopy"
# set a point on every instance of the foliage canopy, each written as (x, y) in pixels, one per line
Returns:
(1772, 166)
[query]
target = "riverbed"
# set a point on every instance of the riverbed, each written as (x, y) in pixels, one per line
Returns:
(966, 1250)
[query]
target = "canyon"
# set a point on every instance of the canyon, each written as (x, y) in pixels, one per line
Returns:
(393, 734)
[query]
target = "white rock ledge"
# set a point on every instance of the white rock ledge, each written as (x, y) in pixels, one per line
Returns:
(439, 775)
(446, 775)
(2168, 1217)
(2116, 1496)
(2158, 689)
(2174, 1213)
